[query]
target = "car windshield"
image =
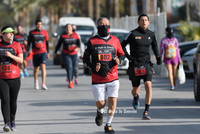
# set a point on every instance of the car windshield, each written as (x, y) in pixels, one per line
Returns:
(85, 38)
(61, 29)
(120, 36)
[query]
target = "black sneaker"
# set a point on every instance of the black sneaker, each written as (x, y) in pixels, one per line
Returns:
(99, 118)
(108, 129)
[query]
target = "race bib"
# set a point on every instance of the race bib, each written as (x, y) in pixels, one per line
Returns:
(5, 68)
(105, 57)
(140, 71)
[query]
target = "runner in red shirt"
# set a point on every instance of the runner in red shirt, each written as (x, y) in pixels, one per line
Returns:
(21, 38)
(10, 55)
(106, 54)
(40, 48)
(71, 44)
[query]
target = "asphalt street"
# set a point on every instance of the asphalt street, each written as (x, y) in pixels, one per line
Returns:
(61, 110)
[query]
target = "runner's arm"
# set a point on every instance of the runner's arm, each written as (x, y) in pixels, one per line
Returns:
(126, 40)
(47, 45)
(59, 44)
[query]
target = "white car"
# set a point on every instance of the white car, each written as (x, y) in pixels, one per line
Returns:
(120, 34)
(187, 60)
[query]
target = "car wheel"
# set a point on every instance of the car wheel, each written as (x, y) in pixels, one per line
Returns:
(196, 88)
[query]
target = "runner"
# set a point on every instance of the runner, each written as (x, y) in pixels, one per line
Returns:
(106, 54)
(40, 48)
(172, 57)
(10, 55)
(21, 38)
(71, 44)
(140, 66)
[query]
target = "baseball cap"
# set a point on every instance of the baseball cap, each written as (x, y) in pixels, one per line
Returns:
(8, 30)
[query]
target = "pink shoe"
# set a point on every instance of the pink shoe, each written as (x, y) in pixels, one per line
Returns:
(76, 81)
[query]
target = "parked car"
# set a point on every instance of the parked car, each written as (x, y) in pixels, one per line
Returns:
(187, 59)
(196, 66)
(85, 27)
(186, 46)
(120, 34)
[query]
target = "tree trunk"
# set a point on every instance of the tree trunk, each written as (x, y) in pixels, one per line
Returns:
(41, 12)
(90, 8)
(68, 7)
(97, 6)
(127, 7)
(108, 8)
(116, 8)
(188, 11)
(63, 8)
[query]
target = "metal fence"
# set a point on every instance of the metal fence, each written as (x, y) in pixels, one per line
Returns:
(158, 23)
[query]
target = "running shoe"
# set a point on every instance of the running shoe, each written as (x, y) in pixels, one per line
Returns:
(71, 85)
(6, 128)
(108, 129)
(76, 81)
(21, 75)
(36, 85)
(26, 73)
(99, 118)
(146, 116)
(44, 87)
(172, 87)
(135, 102)
(13, 126)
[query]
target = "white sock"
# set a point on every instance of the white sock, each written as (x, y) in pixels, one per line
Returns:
(109, 119)
(25, 69)
(36, 81)
(101, 110)
(21, 72)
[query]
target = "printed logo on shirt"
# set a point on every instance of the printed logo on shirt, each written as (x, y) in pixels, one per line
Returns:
(139, 37)
(149, 38)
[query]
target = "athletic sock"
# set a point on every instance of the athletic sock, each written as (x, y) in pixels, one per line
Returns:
(147, 107)
(136, 97)
(109, 119)
(100, 110)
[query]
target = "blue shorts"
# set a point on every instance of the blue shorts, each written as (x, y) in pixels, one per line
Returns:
(39, 59)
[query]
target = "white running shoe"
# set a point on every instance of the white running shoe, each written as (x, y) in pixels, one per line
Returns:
(44, 87)
(36, 85)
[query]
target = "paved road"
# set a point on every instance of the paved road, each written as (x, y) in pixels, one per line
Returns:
(60, 110)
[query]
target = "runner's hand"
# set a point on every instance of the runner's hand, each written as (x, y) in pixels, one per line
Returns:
(54, 56)
(76, 49)
(117, 61)
(180, 62)
(159, 61)
(47, 55)
(98, 66)
(8, 54)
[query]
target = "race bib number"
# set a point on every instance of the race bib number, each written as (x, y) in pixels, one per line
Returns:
(105, 57)
(39, 45)
(140, 71)
(5, 68)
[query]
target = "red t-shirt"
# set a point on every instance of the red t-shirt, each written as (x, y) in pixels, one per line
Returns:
(9, 68)
(38, 40)
(104, 52)
(69, 43)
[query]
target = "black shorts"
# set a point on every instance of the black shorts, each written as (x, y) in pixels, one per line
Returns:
(39, 59)
(24, 55)
(136, 79)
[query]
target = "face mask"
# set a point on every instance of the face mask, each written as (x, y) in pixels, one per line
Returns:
(73, 30)
(103, 30)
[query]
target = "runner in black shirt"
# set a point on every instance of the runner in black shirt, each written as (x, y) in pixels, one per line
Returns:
(140, 66)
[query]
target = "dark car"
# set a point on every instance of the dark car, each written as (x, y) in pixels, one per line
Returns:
(186, 46)
(196, 65)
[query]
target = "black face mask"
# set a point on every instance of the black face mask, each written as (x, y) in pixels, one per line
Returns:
(103, 30)
(73, 30)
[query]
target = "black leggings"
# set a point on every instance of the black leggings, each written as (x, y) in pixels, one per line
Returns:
(9, 89)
